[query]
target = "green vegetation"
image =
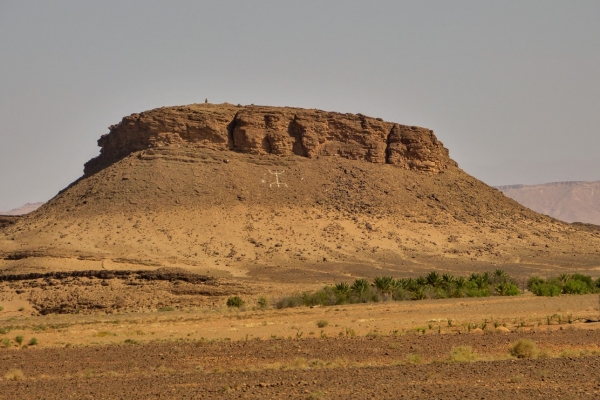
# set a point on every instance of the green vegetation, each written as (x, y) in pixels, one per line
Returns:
(563, 284)
(262, 302)
(1, 308)
(5, 342)
(431, 286)
(524, 348)
(19, 339)
(436, 286)
(168, 308)
(235, 301)
(33, 341)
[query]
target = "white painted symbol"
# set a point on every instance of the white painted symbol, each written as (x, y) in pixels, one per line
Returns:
(279, 184)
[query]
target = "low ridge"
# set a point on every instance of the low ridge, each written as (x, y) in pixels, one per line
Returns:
(567, 201)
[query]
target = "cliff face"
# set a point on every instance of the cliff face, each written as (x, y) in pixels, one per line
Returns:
(274, 130)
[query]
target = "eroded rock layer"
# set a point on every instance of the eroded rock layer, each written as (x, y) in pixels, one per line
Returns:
(274, 130)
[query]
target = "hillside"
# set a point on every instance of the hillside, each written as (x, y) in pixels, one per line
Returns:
(25, 209)
(275, 195)
(567, 201)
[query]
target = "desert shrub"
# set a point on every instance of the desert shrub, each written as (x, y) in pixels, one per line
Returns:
(597, 283)
(165, 309)
(524, 348)
(579, 284)
(545, 289)
(21, 308)
(19, 339)
(130, 341)
(5, 342)
(462, 354)
(413, 358)
(294, 300)
(33, 341)
(14, 375)
(104, 334)
(400, 294)
(1, 308)
(507, 289)
(437, 293)
(322, 323)
(534, 280)
(477, 287)
(419, 293)
(262, 302)
(235, 301)
(324, 297)
(573, 286)
(583, 278)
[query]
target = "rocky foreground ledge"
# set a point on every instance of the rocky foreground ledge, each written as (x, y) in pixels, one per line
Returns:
(281, 131)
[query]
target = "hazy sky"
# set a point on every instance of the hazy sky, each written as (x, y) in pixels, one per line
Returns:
(512, 88)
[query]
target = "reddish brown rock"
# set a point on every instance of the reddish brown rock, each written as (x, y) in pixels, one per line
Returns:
(281, 131)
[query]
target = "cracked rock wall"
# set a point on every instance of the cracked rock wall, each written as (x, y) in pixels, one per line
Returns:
(281, 131)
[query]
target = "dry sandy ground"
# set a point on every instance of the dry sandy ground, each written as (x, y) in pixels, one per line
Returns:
(386, 350)
(521, 313)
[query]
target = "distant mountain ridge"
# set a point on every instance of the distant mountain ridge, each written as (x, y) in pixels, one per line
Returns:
(25, 209)
(572, 201)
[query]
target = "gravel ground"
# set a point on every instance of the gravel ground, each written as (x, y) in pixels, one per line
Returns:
(409, 366)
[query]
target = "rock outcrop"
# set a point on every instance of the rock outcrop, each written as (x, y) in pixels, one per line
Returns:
(281, 131)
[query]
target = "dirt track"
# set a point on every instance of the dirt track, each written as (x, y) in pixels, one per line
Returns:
(410, 366)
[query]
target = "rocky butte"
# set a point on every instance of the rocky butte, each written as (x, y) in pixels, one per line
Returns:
(281, 131)
(284, 196)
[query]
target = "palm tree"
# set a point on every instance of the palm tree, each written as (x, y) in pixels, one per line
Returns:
(447, 279)
(500, 274)
(360, 286)
(342, 288)
(460, 282)
(433, 279)
(384, 283)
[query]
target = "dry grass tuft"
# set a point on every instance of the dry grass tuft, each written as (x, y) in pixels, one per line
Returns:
(524, 348)
(14, 375)
(462, 354)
